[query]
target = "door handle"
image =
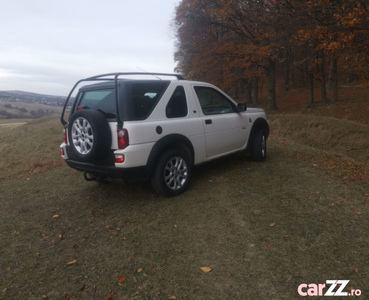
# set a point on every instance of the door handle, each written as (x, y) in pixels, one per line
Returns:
(209, 121)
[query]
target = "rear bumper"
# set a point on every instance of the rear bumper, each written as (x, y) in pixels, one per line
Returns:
(109, 171)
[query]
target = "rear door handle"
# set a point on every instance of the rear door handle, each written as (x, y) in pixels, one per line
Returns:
(209, 121)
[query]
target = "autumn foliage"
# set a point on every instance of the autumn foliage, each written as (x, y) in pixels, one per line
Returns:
(239, 44)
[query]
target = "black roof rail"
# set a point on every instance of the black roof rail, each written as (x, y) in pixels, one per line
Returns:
(102, 77)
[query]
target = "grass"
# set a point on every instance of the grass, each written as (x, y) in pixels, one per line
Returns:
(262, 228)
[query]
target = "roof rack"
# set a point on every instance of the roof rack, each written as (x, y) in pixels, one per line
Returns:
(116, 75)
(103, 77)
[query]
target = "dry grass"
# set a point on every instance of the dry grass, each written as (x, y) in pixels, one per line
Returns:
(341, 137)
(263, 228)
(30, 146)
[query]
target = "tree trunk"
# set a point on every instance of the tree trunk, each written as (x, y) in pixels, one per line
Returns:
(310, 82)
(293, 77)
(323, 90)
(271, 85)
(248, 91)
(334, 80)
(286, 71)
(255, 91)
(330, 75)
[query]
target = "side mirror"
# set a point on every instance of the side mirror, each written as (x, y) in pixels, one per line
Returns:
(241, 107)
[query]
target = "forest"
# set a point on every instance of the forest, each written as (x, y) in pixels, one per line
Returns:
(240, 45)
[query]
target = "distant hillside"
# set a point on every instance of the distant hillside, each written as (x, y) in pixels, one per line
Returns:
(20, 96)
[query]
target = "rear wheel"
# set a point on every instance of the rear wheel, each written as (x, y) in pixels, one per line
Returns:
(172, 173)
(259, 149)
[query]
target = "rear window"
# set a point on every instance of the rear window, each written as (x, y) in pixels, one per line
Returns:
(137, 99)
(103, 100)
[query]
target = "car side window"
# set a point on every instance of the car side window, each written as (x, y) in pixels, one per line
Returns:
(213, 102)
(177, 105)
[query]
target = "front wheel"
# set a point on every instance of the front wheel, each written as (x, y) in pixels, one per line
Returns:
(172, 173)
(259, 150)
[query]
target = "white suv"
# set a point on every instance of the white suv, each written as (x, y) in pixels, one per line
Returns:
(156, 129)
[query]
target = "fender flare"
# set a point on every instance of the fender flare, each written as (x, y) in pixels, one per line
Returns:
(259, 123)
(171, 141)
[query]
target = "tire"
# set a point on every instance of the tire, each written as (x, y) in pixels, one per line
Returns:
(89, 135)
(172, 172)
(259, 148)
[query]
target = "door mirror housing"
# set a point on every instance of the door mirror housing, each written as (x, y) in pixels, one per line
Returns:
(241, 107)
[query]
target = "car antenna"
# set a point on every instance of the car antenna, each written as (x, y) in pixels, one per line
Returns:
(149, 73)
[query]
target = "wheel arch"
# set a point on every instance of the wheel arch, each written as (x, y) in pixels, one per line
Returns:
(259, 123)
(172, 141)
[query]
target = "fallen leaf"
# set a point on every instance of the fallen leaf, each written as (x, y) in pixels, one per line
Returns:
(72, 262)
(60, 236)
(172, 298)
(272, 225)
(122, 279)
(110, 297)
(140, 288)
(366, 195)
(55, 216)
(205, 269)
(359, 213)
(175, 226)
(5, 290)
(268, 245)
(38, 253)
(285, 236)
(8, 269)
(356, 270)
(44, 297)
(139, 270)
(210, 181)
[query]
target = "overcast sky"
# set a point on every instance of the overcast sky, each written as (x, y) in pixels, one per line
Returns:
(47, 45)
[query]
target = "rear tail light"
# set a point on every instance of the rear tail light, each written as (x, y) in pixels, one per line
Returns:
(123, 140)
(62, 152)
(65, 135)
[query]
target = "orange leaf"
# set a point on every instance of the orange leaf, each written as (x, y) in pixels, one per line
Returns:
(72, 262)
(55, 216)
(139, 270)
(268, 245)
(356, 270)
(359, 213)
(122, 279)
(366, 195)
(205, 269)
(172, 298)
(110, 297)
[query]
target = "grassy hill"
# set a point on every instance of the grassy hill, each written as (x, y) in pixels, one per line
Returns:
(262, 228)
